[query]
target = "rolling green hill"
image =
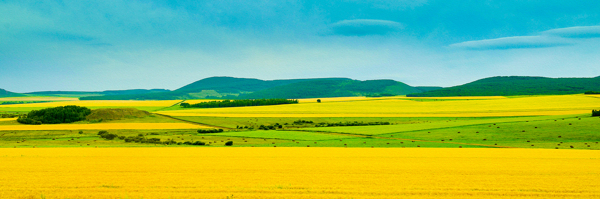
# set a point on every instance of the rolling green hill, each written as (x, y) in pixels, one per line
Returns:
(246, 88)
(333, 88)
(5, 93)
(212, 87)
(517, 85)
(239, 85)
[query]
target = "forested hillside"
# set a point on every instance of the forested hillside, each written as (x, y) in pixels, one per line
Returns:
(246, 88)
(333, 88)
(517, 85)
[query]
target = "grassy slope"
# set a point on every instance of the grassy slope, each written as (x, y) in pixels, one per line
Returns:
(5, 93)
(515, 85)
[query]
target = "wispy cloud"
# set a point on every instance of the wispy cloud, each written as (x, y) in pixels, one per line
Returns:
(513, 42)
(544, 39)
(575, 32)
(363, 27)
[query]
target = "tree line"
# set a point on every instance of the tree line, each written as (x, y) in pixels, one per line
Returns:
(57, 115)
(239, 103)
(355, 123)
(592, 92)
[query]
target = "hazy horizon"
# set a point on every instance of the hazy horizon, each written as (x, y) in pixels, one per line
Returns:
(119, 45)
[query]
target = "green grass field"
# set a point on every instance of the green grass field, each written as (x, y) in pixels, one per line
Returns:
(552, 131)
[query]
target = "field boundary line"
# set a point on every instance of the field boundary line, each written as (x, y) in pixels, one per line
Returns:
(191, 122)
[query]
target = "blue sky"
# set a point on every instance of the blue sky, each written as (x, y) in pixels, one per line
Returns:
(107, 45)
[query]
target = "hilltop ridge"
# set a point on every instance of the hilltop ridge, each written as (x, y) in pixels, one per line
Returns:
(517, 85)
(249, 88)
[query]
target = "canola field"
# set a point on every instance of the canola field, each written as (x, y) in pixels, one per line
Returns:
(298, 173)
(408, 107)
(103, 126)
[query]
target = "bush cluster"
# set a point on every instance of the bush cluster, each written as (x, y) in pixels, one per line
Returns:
(238, 103)
(57, 115)
(106, 135)
(595, 113)
(270, 127)
(192, 143)
(303, 122)
(592, 92)
(210, 131)
(243, 127)
(140, 138)
(355, 123)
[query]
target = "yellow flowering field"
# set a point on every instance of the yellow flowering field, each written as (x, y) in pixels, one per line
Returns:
(103, 126)
(7, 119)
(297, 173)
(101, 103)
(398, 107)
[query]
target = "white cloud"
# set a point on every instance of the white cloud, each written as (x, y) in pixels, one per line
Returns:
(513, 42)
(575, 32)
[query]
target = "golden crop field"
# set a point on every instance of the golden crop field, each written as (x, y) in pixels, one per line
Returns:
(297, 173)
(101, 103)
(495, 106)
(102, 126)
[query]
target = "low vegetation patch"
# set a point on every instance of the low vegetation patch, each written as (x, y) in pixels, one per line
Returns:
(58, 115)
(116, 114)
(380, 95)
(9, 115)
(141, 138)
(592, 92)
(239, 103)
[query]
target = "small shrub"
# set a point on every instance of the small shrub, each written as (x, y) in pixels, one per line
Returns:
(228, 143)
(595, 113)
(210, 131)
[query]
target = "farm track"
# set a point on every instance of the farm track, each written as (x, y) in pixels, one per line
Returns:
(191, 122)
(160, 109)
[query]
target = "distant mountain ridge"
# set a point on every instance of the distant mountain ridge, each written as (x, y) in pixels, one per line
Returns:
(517, 85)
(248, 88)
(5, 93)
